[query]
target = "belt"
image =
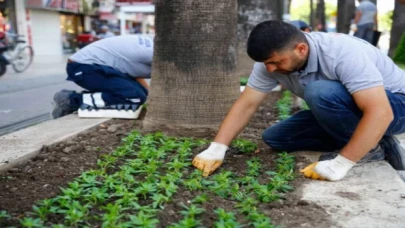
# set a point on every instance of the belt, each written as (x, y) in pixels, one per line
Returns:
(70, 61)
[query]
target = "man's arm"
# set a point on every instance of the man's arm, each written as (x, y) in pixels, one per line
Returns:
(377, 115)
(143, 82)
(239, 115)
(237, 118)
(357, 17)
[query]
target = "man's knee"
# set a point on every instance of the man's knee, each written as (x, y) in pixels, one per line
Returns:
(271, 138)
(322, 91)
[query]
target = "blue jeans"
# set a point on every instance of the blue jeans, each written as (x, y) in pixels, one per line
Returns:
(365, 32)
(115, 87)
(330, 123)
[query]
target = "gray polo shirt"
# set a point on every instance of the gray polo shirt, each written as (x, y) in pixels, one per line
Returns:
(129, 54)
(354, 62)
(368, 11)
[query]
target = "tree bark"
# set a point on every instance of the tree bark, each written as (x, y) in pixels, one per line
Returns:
(193, 83)
(311, 14)
(252, 12)
(346, 11)
(320, 16)
(398, 27)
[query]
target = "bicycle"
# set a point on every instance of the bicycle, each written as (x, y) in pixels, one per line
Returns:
(15, 51)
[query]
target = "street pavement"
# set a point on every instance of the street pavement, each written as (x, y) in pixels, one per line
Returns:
(26, 98)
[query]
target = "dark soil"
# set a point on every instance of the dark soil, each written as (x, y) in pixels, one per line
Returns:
(57, 165)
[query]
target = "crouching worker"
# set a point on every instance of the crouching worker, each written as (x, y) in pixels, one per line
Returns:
(113, 72)
(356, 96)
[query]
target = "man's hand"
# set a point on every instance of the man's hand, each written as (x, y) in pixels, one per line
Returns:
(332, 170)
(353, 27)
(210, 159)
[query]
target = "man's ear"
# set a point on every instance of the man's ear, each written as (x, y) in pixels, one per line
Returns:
(301, 49)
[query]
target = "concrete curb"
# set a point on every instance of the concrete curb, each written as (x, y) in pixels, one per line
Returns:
(20, 146)
(371, 195)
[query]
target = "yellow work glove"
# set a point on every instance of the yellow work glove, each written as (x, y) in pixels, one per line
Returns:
(332, 170)
(210, 159)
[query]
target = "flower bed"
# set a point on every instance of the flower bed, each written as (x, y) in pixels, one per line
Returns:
(147, 181)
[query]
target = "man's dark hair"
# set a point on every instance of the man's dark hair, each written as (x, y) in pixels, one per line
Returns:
(272, 36)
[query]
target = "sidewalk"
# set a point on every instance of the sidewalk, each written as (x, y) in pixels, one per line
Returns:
(42, 66)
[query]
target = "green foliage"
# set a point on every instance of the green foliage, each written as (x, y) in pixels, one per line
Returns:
(244, 146)
(284, 105)
(243, 81)
(399, 56)
(141, 176)
(301, 11)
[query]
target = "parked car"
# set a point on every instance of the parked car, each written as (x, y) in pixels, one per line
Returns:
(85, 38)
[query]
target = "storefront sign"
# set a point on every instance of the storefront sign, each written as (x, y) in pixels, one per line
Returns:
(131, 2)
(60, 5)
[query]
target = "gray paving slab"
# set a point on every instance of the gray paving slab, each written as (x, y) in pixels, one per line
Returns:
(371, 195)
(19, 146)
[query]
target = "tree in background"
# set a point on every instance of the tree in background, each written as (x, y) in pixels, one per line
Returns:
(194, 62)
(320, 18)
(300, 10)
(398, 26)
(252, 12)
(345, 14)
(311, 14)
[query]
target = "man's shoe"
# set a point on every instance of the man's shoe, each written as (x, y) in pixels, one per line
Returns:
(395, 154)
(63, 103)
(376, 154)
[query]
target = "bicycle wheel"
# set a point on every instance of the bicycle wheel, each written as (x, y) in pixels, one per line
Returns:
(24, 59)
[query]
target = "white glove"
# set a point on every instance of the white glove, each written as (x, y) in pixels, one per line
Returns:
(210, 159)
(353, 27)
(332, 170)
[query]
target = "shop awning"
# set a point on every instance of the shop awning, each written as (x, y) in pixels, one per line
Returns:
(138, 9)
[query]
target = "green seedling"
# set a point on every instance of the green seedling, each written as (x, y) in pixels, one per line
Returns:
(225, 219)
(186, 223)
(168, 188)
(75, 212)
(4, 215)
(159, 200)
(144, 220)
(280, 184)
(243, 81)
(146, 189)
(200, 199)
(247, 205)
(176, 165)
(259, 220)
(284, 105)
(265, 194)
(96, 195)
(192, 211)
(254, 166)
(31, 222)
(112, 216)
(193, 184)
(244, 146)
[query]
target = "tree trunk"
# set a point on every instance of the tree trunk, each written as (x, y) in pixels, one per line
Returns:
(311, 14)
(193, 83)
(398, 27)
(346, 11)
(320, 16)
(288, 6)
(252, 12)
